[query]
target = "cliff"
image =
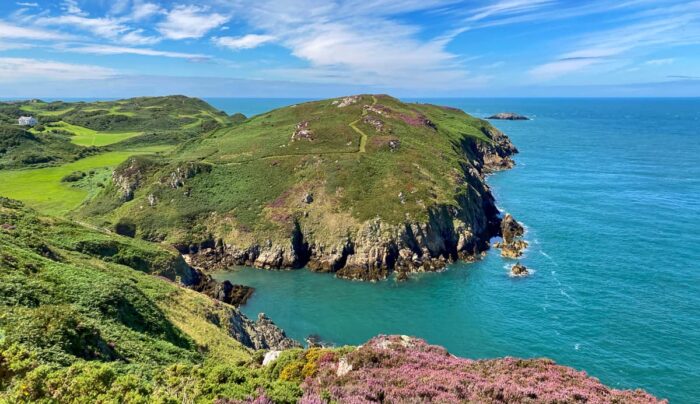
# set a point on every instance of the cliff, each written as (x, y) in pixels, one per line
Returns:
(361, 186)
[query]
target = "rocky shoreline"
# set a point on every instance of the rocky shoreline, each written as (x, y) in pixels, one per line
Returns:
(378, 249)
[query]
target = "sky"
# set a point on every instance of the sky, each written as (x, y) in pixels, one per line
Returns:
(317, 48)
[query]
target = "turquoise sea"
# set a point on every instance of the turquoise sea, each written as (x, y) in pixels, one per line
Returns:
(609, 190)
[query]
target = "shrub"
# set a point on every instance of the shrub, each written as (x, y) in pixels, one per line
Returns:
(74, 176)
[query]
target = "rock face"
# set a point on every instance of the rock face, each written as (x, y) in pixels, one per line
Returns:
(260, 334)
(510, 116)
(512, 245)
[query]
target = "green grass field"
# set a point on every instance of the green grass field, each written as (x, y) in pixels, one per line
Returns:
(38, 110)
(88, 137)
(43, 190)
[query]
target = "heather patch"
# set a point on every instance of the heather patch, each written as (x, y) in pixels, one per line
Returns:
(403, 369)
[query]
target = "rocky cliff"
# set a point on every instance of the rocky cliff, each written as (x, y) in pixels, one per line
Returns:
(377, 248)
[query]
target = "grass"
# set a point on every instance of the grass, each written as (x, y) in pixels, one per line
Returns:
(36, 109)
(87, 137)
(42, 188)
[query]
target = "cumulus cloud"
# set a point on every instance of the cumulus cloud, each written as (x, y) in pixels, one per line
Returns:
(183, 22)
(243, 42)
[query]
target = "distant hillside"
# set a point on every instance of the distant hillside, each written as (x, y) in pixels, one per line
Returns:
(68, 131)
(361, 186)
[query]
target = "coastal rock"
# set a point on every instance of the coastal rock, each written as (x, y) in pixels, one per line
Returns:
(512, 245)
(510, 116)
(511, 229)
(260, 334)
(519, 270)
(225, 291)
(497, 154)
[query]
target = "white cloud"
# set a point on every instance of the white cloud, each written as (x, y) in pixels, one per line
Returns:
(183, 22)
(507, 7)
(561, 67)
(14, 45)
(10, 31)
(121, 50)
(243, 42)
(358, 42)
(23, 69)
(136, 37)
(141, 11)
(23, 4)
(660, 62)
(71, 7)
(661, 30)
(106, 27)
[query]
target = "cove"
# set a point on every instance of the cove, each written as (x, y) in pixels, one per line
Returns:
(608, 190)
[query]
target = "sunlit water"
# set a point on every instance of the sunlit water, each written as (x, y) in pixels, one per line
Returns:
(610, 193)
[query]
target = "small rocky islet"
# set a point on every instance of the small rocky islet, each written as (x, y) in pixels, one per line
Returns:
(508, 116)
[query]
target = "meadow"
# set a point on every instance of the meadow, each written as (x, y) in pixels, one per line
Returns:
(88, 137)
(42, 188)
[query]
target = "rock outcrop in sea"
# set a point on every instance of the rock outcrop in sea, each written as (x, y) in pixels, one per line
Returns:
(512, 245)
(509, 116)
(519, 270)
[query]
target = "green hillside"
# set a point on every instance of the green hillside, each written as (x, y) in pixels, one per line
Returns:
(107, 314)
(303, 184)
(57, 164)
(123, 124)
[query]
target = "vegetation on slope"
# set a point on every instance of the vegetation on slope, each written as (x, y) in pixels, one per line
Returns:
(124, 124)
(89, 138)
(83, 318)
(305, 182)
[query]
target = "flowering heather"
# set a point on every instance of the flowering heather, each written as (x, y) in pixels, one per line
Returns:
(398, 369)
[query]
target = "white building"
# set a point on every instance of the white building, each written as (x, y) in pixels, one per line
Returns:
(27, 121)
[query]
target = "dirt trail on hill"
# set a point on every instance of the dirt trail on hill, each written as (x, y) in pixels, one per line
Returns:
(361, 148)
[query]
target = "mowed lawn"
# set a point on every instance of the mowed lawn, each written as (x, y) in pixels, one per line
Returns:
(88, 137)
(43, 190)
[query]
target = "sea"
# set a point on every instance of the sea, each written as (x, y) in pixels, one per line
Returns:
(609, 192)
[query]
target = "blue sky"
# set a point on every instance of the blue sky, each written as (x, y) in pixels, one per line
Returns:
(310, 48)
